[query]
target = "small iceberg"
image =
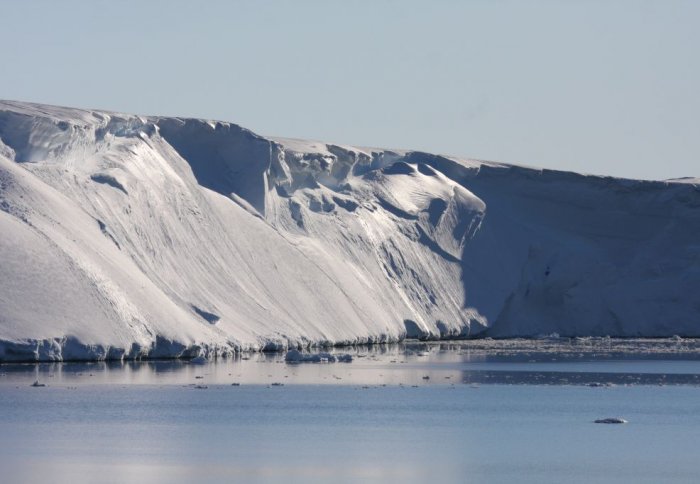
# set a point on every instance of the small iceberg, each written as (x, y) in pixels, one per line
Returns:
(37, 384)
(200, 360)
(611, 420)
(296, 356)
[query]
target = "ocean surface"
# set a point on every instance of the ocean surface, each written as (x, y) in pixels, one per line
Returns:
(402, 413)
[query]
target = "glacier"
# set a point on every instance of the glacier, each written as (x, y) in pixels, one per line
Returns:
(126, 236)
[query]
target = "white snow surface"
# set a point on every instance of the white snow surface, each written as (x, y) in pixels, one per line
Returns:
(127, 236)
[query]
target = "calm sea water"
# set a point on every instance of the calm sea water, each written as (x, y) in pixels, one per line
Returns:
(476, 418)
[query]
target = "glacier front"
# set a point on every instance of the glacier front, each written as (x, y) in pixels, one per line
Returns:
(125, 236)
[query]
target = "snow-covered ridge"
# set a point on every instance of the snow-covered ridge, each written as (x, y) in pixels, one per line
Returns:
(127, 236)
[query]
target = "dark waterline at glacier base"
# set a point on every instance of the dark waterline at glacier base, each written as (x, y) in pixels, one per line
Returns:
(505, 415)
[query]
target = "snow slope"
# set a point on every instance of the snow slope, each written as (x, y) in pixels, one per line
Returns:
(130, 236)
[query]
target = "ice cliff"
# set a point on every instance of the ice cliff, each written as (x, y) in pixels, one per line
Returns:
(127, 236)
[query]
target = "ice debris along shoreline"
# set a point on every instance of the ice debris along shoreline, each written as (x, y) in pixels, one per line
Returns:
(561, 347)
(131, 237)
(409, 364)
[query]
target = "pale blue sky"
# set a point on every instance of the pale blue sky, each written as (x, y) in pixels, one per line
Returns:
(605, 87)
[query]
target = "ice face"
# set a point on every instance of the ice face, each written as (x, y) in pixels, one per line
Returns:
(126, 236)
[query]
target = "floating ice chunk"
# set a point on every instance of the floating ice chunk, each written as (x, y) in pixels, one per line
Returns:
(548, 336)
(296, 356)
(200, 360)
(611, 420)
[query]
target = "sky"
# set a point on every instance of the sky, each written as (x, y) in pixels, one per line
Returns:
(598, 86)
